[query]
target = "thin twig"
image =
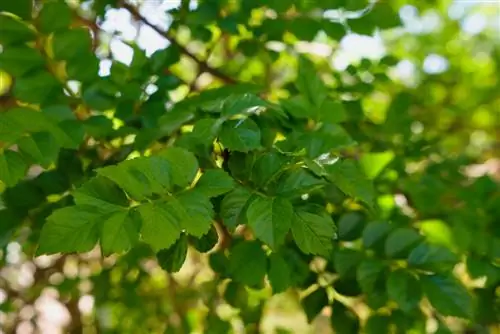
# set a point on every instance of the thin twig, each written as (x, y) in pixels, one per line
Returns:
(203, 65)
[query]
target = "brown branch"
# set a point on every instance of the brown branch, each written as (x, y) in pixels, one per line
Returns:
(203, 65)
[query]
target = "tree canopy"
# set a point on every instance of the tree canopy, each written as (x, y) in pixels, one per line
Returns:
(249, 166)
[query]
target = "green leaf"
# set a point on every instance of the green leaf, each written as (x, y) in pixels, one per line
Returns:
(279, 273)
(404, 289)
(19, 60)
(21, 8)
(447, 295)
(375, 234)
(351, 226)
(314, 234)
(194, 212)
(13, 30)
(36, 87)
(240, 135)
(432, 257)
(71, 229)
(248, 263)
(132, 181)
(54, 16)
(332, 112)
(314, 303)
(160, 227)
(205, 130)
(233, 207)
(298, 182)
(377, 324)
(119, 232)
(309, 83)
(242, 104)
(270, 219)
(70, 44)
(215, 182)
(12, 167)
(368, 273)
(206, 242)
(346, 261)
(343, 319)
(184, 165)
(267, 167)
(401, 241)
(236, 295)
(101, 95)
(172, 259)
(101, 194)
(350, 179)
(374, 163)
(41, 147)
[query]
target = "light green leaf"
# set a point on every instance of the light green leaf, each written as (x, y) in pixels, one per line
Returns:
(160, 227)
(194, 212)
(404, 289)
(41, 147)
(314, 234)
(119, 232)
(12, 167)
(54, 16)
(71, 229)
(101, 194)
(19, 60)
(374, 163)
(134, 182)
(332, 112)
(350, 179)
(215, 182)
(240, 135)
(309, 83)
(447, 295)
(270, 219)
(233, 207)
(248, 263)
(401, 241)
(437, 232)
(432, 257)
(183, 163)
(278, 273)
(173, 258)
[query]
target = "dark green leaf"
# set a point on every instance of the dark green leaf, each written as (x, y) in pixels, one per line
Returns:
(401, 241)
(314, 303)
(344, 320)
(248, 263)
(447, 295)
(206, 242)
(102, 194)
(54, 16)
(346, 261)
(298, 182)
(14, 31)
(70, 44)
(234, 206)
(404, 289)
(19, 60)
(368, 273)
(377, 324)
(41, 147)
(183, 163)
(172, 259)
(432, 257)
(309, 82)
(279, 273)
(375, 234)
(351, 226)
(36, 87)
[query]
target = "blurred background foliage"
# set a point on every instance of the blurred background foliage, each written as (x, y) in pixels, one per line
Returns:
(419, 80)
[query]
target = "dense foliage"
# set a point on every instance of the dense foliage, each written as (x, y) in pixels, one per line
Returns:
(239, 174)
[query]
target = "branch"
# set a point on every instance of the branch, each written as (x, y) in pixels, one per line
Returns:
(203, 65)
